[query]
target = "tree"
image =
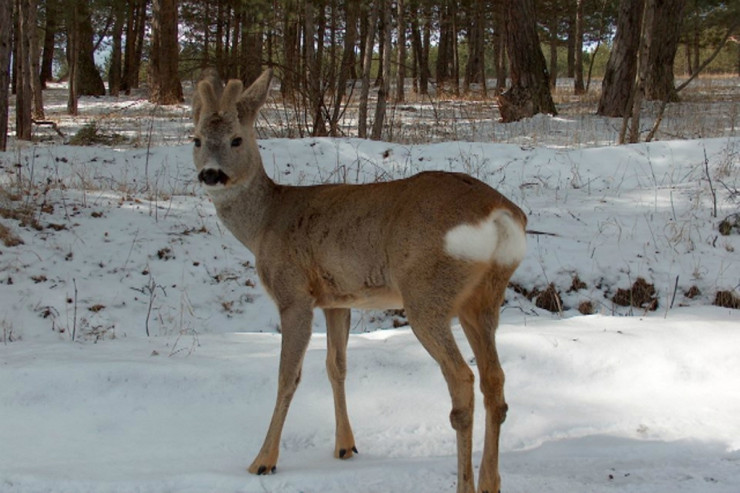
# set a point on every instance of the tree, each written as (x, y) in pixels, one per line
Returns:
(51, 25)
(88, 80)
(23, 94)
(6, 38)
(621, 68)
(164, 81)
(366, 65)
(578, 87)
(665, 32)
(383, 93)
(529, 93)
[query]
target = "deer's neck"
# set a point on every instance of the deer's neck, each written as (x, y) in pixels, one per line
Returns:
(244, 208)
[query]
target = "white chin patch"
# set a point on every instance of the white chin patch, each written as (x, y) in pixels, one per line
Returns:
(499, 238)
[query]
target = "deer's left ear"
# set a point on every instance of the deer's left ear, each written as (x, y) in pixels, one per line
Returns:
(254, 97)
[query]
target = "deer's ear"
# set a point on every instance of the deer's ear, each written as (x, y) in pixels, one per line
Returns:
(204, 100)
(254, 97)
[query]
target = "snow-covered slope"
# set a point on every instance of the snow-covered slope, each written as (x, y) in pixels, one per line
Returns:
(118, 243)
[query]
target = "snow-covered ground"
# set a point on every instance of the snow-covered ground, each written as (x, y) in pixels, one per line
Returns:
(121, 242)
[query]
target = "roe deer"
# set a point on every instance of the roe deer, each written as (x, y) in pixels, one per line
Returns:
(438, 244)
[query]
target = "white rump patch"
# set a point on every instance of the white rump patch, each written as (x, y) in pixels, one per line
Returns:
(499, 238)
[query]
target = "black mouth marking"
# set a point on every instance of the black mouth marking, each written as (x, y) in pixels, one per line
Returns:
(211, 176)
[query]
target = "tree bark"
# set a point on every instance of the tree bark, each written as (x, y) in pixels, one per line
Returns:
(73, 51)
(401, 52)
(665, 33)
(346, 67)
(6, 38)
(35, 69)
(377, 131)
(114, 72)
(164, 82)
(499, 46)
(621, 68)
(89, 81)
(51, 25)
(529, 93)
(23, 94)
(578, 87)
(366, 65)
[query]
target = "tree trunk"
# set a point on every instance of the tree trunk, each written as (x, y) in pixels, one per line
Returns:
(665, 33)
(499, 46)
(401, 52)
(475, 72)
(578, 87)
(313, 56)
(553, 52)
(6, 38)
(621, 67)
(23, 95)
(89, 81)
(347, 65)
(366, 65)
(164, 81)
(73, 50)
(529, 93)
(35, 69)
(51, 25)
(114, 72)
(377, 131)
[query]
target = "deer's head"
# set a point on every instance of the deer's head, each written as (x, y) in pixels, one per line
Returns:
(225, 148)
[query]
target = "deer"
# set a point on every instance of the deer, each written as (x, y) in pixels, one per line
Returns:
(440, 245)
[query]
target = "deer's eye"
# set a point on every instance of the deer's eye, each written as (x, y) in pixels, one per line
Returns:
(236, 142)
(197, 142)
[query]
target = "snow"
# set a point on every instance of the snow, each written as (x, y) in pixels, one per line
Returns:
(625, 400)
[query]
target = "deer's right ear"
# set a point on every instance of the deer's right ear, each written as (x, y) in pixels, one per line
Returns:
(204, 100)
(254, 97)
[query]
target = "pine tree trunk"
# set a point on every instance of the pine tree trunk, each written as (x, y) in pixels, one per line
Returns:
(499, 46)
(553, 52)
(6, 38)
(621, 69)
(401, 52)
(164, 81)
(35, 69)
(529, 93)
(89, 81)
(114, 72)
(665, 33)
(346, 67)
(366, 66)
(377, 131)
(72, 15)
(23, 94)
(578, 87)
(50, 29)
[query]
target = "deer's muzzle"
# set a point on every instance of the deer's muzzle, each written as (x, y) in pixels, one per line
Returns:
(211, 176)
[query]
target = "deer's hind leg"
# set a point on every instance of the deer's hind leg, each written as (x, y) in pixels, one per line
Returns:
(337, 335)
(479, 316)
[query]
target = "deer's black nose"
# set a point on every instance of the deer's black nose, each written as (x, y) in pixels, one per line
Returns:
(211, 176)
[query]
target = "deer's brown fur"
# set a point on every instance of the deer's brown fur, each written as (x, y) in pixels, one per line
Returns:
(440, 245)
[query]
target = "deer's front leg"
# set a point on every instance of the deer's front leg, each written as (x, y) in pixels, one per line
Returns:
(337, 335)
(295, 322)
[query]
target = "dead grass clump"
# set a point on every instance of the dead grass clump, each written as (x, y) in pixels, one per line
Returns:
(586, 308)
(730, 225)
(550, 300)
(727, 299)
(577, 284)
(8, 238)
(640, 295)
(692, 292)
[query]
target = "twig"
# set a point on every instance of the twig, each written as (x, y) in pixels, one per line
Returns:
(74, 312)
(711, 185)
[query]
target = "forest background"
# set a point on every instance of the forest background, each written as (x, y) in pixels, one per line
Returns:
(328, 54)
